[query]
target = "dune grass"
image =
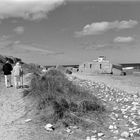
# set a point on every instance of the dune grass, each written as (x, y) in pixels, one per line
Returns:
(63, 100)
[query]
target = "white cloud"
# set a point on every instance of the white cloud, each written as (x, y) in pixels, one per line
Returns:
(101, 27)
(120, 39)
(126, 24)
(19, 30)
(27, 9)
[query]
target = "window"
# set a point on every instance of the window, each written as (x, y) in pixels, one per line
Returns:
(90, 66)
(100, 66)
(84, 65)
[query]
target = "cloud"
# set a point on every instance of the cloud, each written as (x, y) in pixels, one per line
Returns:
(120, 39)
(101, 27)
(19, 30)
(25, 48)
(5, 37)
(94, 45)
(34, 49)
(27, 9)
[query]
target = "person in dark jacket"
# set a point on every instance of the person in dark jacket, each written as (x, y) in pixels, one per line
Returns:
(7, 69)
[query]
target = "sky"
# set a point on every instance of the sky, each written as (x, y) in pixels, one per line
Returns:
(52, 32)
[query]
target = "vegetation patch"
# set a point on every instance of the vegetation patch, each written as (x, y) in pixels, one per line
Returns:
(62, 101)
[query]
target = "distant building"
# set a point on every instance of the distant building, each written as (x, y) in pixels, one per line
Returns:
(101, 65)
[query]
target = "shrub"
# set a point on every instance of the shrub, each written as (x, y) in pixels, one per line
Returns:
(31, 68)
(67, 100)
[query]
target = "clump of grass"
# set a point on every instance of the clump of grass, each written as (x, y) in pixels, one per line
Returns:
(31, 68)
(68, 101)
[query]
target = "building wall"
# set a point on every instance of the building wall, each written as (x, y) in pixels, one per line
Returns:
(96, 67)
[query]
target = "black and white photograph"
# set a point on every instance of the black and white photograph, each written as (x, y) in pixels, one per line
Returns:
(69, 69)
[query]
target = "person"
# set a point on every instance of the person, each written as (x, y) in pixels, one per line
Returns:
(7, 69)
(18, 75)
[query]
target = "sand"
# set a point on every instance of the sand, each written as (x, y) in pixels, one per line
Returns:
(129, 83)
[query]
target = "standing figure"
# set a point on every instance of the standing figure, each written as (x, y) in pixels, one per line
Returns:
(18, 73)
(7, 68)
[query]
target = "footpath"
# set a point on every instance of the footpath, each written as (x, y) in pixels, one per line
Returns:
(17, 121)
(14, 121)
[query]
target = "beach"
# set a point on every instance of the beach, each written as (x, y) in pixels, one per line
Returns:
(128, 83)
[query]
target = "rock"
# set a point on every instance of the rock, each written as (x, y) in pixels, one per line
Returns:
(94, 131)
(138, 112)
(49, 127)
(93, 138)
(135, 124)
(68, 130)
(115, 127)
(116, 131)
(28, 120)
(135, 103)
(125, 134)
(116, 115)
(74, 127)
(100, 134)
(125, 116)
(111, 127)
(136, 132)
(88, 138)
(134, 108)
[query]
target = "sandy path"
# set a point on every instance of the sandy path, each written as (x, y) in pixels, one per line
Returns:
(13, 116)
(12, 110)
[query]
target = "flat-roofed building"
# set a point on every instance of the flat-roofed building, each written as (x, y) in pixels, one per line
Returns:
(101, 65)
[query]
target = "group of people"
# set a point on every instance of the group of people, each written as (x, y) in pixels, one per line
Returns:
(17, 73)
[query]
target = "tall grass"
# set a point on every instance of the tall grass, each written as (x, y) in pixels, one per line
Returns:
(66, 100)
(31, 68)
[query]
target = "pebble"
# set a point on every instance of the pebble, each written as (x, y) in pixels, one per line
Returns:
(125, 134)
(116, 132)
(125, 108)
(134, 123)
(115, 127)
(88, 138)
(28, 120)
(100, 134)
(111, 127)
(93, 138)
(125, 116)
